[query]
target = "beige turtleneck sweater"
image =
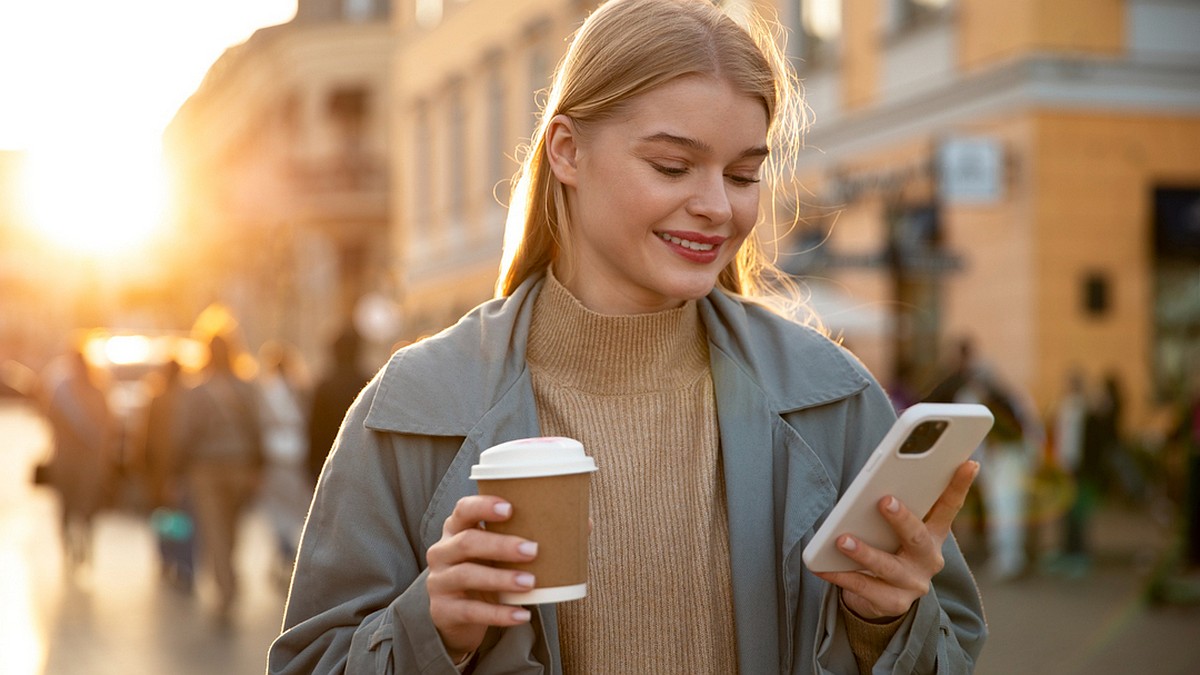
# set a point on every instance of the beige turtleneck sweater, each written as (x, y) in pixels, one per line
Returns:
(637, 392)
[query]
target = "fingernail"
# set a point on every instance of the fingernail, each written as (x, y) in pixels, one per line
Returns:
(503, 509)
(520, 615)
(524, 579)
(528, 548)
(893, 504)
(849, 544)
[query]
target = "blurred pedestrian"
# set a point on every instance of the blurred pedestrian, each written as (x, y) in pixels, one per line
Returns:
(1008, 460)
(220, 443)
(341, 382)
(171, 517)
(1120, 474)
(286, 487)
(1187, 435)
(1076, 451)
(83, 467)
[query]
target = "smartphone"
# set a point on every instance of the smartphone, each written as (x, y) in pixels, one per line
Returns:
(914, 463)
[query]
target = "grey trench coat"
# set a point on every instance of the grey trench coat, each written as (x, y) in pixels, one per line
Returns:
(798, 416)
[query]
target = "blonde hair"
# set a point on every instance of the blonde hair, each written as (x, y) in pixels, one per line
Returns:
(626, 48)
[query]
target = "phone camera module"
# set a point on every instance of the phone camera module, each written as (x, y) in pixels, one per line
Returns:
(923, 437)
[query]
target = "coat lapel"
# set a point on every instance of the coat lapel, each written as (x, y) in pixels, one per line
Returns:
(746, 451)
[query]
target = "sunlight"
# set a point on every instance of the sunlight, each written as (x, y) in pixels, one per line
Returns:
(100, 201)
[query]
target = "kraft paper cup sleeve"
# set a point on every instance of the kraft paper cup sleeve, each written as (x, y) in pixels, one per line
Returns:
(548, 482)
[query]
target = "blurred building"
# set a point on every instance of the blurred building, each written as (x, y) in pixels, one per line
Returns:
(467, 74)
(1022, 172)
(283, 157)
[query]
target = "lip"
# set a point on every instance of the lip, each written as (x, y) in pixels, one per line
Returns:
(692, 255)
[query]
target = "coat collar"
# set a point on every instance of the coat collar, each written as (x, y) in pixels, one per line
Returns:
(445, 384)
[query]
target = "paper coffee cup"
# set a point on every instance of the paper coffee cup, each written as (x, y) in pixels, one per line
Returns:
(547, 480)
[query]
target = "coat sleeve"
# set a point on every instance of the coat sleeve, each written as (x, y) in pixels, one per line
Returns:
(358, 601)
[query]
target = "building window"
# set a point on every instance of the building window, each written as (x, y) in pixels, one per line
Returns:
(902, 16)
(422, 196)
(539, 80)
(359, 10)
(290, 117)
(541, 67)
(814, 27)
(429, 13)
(1176, 241)
(348, 109)
(456, 155)
(497, 143)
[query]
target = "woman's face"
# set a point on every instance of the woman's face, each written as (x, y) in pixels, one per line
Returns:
(661, 196)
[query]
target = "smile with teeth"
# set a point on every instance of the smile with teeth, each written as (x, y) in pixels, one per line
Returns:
(693, 245)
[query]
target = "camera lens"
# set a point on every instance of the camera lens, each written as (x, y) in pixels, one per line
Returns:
(924, 437)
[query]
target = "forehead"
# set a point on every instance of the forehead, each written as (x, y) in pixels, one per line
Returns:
(701, 107)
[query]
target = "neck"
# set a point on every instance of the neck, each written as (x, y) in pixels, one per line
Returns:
(624, 353)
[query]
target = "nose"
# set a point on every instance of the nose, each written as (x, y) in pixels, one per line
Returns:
(710, 199)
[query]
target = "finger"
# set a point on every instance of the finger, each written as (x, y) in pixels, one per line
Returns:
(909, 571)
(944, 510)
(470, 511)
(467, 578)
(476, 612)
(917, 541)
(477, 544)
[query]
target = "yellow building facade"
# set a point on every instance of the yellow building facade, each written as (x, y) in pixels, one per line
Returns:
(467, 78)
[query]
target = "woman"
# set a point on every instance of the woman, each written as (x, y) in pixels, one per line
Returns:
(723, 432)
(220, 443)
(286, 487)
(86, 444)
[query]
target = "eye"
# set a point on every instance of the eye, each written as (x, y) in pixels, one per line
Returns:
(673, 171)
(741, 180)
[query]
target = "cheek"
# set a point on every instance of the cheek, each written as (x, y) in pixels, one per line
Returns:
(745, 211)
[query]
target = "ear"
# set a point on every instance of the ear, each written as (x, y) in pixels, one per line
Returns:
(562, 148)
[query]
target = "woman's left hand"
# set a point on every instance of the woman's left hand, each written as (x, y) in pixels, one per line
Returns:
(889, 583)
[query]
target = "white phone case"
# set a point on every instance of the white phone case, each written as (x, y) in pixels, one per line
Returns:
(917, 480)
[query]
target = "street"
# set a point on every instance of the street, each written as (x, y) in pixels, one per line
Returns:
(121, 618)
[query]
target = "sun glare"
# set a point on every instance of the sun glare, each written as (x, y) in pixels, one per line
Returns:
(95, 201)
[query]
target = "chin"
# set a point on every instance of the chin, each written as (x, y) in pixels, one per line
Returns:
(690, 289)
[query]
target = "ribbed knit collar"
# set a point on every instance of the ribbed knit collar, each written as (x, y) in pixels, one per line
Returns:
(614, 354)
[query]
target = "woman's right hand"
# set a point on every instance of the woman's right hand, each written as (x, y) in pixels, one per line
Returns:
(462, 584)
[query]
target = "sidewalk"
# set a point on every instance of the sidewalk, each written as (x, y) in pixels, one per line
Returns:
(1098, 624)
(118, 618)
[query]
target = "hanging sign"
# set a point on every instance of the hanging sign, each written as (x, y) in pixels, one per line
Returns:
(971, 171)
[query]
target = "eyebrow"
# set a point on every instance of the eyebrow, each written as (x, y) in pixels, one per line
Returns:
(700, 146)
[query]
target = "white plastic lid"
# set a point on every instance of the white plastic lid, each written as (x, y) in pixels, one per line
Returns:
(531, 458)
